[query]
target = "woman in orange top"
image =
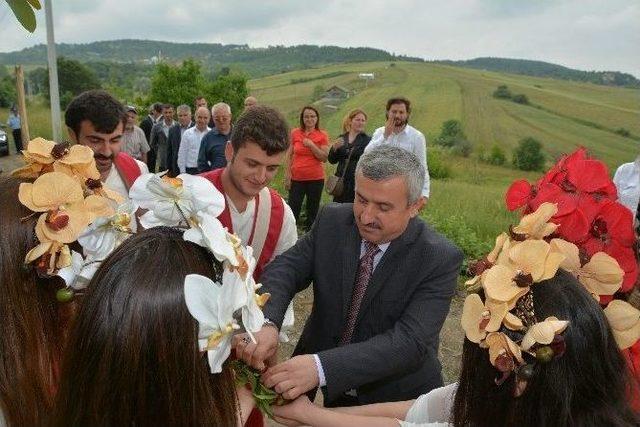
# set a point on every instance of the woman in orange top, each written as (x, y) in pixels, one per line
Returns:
(305, 174)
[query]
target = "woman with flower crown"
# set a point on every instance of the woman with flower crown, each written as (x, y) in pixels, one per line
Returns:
(44, 214)
(539, 348)
(151, 342)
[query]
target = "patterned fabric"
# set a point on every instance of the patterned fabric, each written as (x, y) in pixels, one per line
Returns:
(362, 280)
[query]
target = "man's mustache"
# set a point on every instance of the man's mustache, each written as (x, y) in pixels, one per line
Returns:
(103, 157)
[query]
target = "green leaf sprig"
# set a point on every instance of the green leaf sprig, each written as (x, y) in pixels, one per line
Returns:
(264, 397)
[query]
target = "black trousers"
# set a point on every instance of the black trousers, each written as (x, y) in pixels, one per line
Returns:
(313, 192)
(151, 160)
(17, 139)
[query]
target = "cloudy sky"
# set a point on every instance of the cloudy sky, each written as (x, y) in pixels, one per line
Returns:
(583, 34)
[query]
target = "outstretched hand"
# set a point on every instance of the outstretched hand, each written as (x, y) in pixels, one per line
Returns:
(292, 414)
(292, 377)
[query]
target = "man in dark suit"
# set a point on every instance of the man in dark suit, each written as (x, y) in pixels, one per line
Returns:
(160, 136)
(382, 282)
(175, 135)
(155, 111)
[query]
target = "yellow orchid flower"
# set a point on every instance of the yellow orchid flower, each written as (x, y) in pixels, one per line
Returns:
(536, 225)
(543, 332)
(624, 320)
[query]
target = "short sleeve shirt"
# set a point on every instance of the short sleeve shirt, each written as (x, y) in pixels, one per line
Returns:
(304, 165)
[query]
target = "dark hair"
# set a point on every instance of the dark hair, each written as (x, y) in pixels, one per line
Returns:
(167, 106)
(97, 106)
(32, 322)
(399, 100)
(157, 107)
(264, 126)
(133, 354)
(309, 107)
(587, 386)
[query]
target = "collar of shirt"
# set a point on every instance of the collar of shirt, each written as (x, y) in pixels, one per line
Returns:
(376, 259)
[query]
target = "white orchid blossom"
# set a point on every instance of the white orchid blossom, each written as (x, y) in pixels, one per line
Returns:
(79, 273)
(287, 324)
(212, 305)
(207, 231)
(107, 233)
(175, 201)
(242, 277)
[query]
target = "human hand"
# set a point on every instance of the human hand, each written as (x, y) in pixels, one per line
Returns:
(389, 125)
(307, 142)
(339, 142)
(293, 414)
(292, 377)
(255, 354)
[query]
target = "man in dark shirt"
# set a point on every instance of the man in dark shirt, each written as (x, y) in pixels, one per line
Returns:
(211, 155)
(175, 136)
(155, 111)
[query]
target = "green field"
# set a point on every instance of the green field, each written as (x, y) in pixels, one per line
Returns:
(569, 115)
(474, 194)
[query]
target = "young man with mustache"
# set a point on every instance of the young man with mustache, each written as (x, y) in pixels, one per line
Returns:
(96, 119)
(398, 132)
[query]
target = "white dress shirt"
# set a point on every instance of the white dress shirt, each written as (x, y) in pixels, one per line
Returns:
(189, 148)
(322, 381)
(114, 180)
(410, 139)
(627, 181)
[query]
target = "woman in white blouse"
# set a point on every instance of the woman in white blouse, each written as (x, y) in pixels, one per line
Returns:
(587, 386)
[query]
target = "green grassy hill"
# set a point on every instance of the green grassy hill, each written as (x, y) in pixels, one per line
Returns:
(471, 201)
(469, 205)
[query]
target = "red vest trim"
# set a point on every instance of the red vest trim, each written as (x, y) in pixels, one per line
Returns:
(276, 220)
(128, 168)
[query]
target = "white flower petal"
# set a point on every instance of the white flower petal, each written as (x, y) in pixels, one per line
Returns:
(203, 194)
(202, 297)
(219, 355)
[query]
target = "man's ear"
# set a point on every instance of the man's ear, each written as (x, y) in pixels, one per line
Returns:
(72, 135)
(228, 152)
(417, 206)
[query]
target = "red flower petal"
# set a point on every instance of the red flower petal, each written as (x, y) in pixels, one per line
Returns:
(553, 194)
(518, 194)
(574, 227)
(588, 176)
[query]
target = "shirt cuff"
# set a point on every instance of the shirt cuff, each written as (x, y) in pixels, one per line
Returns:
(322, 381)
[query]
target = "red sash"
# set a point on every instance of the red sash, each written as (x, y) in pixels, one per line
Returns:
(275, 221)
(127, 168)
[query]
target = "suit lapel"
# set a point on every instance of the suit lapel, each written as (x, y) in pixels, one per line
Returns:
(350, 259)
(386, 266)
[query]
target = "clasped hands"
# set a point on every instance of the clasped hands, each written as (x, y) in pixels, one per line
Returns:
(290, 378)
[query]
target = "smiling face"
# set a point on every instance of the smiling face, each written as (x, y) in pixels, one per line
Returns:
(251, 169)
(310, 119)
(105, 146)
(380, 208)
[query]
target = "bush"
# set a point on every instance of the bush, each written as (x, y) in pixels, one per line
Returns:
(520, 99)
(318, 92)
(623, 132)
(496, 156)
(529, 156)
(502, 92)
(462, 147)
(438, 169)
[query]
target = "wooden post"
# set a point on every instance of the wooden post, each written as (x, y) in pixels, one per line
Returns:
(22, 106)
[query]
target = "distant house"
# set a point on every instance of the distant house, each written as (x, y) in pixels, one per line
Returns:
(337, 92)
(367, 76)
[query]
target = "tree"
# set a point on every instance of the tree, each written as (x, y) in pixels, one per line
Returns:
(73, 79)
(528, 156)
(318, 93)
(502, 92)
(181, 84)
(7, 92)
(452, 136)
(496, 156)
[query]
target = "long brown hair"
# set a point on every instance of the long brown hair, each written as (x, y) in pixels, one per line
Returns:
(133, 354)
(31, 336)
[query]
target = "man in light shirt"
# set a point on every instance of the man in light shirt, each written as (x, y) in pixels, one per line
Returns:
(134, 142)
(398, 132)
(190, 143)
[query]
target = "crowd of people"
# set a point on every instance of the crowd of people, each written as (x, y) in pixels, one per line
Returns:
(138, 264)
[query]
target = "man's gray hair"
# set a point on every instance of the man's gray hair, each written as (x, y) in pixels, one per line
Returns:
(183, 108)
(386, 162)
(221, 106)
